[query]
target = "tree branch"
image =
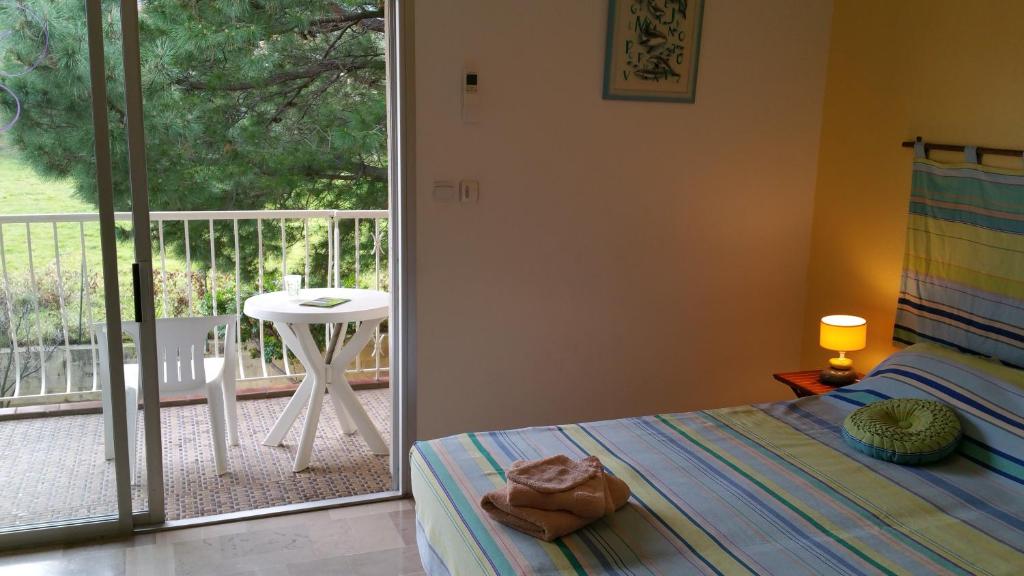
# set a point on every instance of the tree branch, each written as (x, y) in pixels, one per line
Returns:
(372, 20)
(345, 66)
(371, 172)
(352, 170)
(357, 171)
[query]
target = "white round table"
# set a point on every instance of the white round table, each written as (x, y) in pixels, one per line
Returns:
(323, 372)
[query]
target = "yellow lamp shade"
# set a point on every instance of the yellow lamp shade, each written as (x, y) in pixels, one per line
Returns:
(843, 333)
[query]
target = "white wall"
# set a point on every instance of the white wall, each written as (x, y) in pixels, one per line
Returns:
(625, 258)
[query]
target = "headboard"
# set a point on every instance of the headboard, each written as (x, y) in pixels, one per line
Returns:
(963, 269)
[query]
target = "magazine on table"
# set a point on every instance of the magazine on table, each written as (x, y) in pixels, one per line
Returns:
(325, 302)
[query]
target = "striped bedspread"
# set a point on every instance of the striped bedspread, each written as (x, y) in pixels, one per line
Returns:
(963, 282)
(766, 489)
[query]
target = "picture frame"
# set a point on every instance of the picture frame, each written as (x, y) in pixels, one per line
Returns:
(652, 50)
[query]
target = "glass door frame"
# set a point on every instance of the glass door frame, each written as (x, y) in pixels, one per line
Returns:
(399, 16)
(402, 252)
(402, 206)
(142, 269)
(123, 521)
(401, 262)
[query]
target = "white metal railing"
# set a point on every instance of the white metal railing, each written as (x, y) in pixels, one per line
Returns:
(50, 367)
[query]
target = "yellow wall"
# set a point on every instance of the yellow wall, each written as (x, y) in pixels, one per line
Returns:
(948, 70)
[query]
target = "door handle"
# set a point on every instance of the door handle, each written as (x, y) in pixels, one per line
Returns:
(136, 291)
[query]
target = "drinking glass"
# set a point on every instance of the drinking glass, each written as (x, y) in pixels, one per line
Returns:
(292, 284)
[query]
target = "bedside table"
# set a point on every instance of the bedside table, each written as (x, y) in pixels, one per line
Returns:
(805, 382)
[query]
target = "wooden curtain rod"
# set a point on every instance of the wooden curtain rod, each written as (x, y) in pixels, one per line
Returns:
(929, 146)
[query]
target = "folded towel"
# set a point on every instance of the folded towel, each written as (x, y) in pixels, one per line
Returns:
(554, 473)
(560, 483)
(540, 477)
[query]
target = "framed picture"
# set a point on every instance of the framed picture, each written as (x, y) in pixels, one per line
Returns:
(652, 50)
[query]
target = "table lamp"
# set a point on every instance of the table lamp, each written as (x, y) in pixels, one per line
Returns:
(842, 333)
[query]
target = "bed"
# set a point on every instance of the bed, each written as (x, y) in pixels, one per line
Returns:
(762, 489)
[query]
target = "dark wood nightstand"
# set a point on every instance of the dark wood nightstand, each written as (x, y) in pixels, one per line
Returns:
(805, 382)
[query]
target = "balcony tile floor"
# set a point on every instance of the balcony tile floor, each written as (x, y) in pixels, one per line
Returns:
(54, 467)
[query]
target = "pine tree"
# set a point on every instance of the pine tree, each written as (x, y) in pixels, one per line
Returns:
(249, 104)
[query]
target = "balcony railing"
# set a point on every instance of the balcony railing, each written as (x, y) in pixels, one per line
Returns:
(52, 288)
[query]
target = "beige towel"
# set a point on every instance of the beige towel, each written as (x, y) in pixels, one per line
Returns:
(548, 474)
(560, 483)
(554, 473)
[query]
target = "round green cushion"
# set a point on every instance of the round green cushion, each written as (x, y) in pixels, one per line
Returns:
(903, 430)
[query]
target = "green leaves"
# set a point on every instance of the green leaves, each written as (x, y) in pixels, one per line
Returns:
(248, 104)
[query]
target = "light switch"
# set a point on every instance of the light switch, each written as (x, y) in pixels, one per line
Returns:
(469, 191)
(445, 192)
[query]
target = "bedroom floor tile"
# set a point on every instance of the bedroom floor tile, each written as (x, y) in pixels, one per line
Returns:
(405, 523)
(356, 541)
(405, 561)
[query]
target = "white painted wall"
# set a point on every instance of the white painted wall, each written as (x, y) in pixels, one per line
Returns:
(625, 258)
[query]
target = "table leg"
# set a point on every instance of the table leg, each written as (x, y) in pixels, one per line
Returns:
(291, 413)
(338, 335)
(319, 377)
(347, 425)
(341, 393)
(317, 369)
(344, 399)
(301, 397)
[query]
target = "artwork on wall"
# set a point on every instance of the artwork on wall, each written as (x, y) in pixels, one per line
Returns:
(652, 50)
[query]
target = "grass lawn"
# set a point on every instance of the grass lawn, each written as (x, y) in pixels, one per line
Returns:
(37, 306)
(22, 191)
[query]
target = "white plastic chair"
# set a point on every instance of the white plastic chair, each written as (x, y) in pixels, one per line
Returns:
(181, 344)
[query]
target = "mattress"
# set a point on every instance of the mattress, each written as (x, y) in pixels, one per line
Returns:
(763, 489)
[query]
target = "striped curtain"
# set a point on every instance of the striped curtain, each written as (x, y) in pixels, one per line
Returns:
(963, 271)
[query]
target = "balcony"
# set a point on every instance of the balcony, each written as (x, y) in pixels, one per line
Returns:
(204, 263)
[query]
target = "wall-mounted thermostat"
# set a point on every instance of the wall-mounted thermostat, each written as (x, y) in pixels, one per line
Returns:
(470, 97)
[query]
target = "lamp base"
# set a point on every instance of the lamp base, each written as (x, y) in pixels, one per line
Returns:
(837, 377)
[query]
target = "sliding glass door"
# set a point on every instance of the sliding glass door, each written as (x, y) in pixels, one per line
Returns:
(266, 150)
(259, 137)
(65, 396)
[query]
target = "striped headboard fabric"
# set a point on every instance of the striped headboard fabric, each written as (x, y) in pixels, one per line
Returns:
(963, 270)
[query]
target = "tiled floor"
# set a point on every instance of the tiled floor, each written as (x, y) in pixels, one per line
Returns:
(372, 539)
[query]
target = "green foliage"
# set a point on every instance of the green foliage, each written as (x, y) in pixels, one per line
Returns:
(267, 104)
(32, 316)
